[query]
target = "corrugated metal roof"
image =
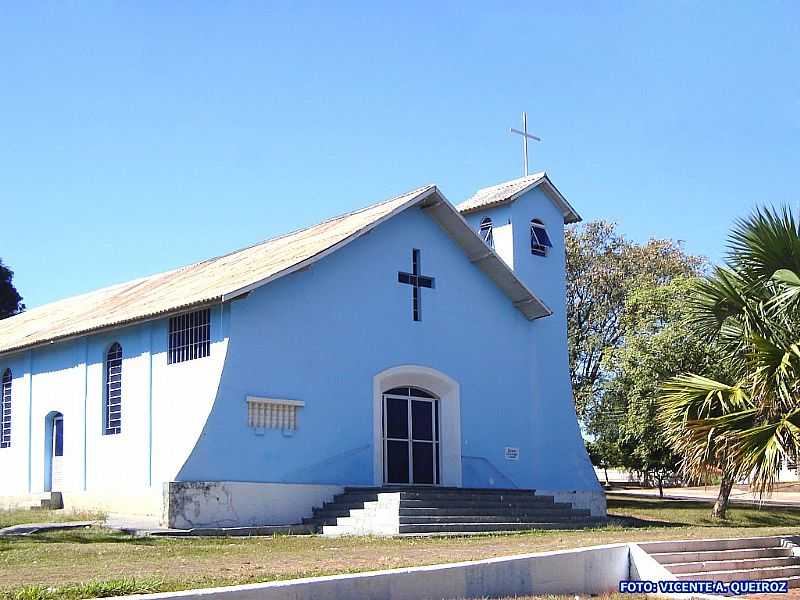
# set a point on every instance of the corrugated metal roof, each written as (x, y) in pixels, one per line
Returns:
(509, 191)
(226, 277)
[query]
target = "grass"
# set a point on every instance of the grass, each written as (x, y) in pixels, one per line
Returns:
(19, 516)
(98, 563)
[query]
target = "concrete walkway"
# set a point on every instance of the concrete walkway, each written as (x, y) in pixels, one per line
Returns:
(28, 528)
(788, 496)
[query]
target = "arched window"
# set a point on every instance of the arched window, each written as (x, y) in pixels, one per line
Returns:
(5, 411)
(540, 241)
(485, 231)
(112, 421)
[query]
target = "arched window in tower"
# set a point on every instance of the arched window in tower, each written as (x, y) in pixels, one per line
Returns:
(112, 418)
(5, 411)
(485, 231)
(540, 241)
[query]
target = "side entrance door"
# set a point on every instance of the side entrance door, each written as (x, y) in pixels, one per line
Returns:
(57, 459)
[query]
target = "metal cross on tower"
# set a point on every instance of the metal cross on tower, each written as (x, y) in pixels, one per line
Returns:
(525, 137)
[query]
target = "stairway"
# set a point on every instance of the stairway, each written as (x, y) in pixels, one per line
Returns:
(729, 560)
(430, 510)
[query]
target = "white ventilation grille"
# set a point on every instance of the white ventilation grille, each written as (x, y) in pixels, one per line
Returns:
(272, 413)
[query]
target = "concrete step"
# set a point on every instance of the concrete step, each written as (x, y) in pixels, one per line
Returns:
(349, 504)
(781, 572)
(566, 518)
(449, 497)
(534, 511)
(437, 489)
(489, 527)
(558, 518)
(732, 565)
(794, 582)
(710, 545)
(667, 558)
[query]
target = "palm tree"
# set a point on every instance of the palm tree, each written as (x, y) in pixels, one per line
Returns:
(744, 424)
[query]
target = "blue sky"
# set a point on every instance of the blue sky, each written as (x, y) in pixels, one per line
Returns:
(140, 136)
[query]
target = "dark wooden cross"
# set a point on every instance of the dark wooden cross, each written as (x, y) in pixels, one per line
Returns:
(416, 281)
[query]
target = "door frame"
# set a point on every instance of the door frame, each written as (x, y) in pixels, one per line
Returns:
(448, 391)
(435, 408)
(49, 447)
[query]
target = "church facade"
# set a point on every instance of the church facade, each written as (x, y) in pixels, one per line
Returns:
(410, 342)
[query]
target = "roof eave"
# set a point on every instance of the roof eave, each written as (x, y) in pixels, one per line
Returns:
(304, 264)
(434, 203)
(485, 258)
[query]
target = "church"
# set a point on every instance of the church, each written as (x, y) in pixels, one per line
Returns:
(408, 343)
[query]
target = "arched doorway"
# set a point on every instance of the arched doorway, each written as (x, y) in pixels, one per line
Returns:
(416, 427)
(53, 452)
(410, 436)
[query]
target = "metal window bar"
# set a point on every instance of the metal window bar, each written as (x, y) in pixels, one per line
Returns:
(113, 420)
(189, 336)
(5, 411)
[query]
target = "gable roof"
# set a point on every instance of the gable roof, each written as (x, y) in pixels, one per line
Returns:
(237, 273)
(505, 193)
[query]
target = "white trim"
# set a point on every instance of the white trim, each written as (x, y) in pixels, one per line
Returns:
(275, 401)
(449, 394)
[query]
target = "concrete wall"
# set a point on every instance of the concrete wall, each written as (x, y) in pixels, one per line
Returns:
(595, 570)
(145, 504)
(236, 504)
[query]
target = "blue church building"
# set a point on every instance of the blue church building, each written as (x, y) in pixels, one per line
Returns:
(408, 342)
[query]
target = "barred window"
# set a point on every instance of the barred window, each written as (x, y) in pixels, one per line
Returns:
(5, 411)
(189, 336)
(485, 231)
(540, 241)
(113, 405)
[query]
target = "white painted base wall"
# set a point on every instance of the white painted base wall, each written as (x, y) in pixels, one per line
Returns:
(594, 501)
(144, 504)
(189, 504)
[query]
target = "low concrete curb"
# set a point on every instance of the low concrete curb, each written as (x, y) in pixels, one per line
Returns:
(592, 570)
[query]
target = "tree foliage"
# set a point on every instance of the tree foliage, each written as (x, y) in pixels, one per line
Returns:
(746, 423)
(657, 345)
(10, 300)
(602, 269)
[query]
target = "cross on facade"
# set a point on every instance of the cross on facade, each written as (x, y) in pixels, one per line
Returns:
(416, 281)
(525, 137)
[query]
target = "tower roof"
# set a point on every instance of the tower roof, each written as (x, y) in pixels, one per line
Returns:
(507, 192)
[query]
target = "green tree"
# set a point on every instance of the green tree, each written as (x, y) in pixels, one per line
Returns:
(602, 269)
(744, 424)
(657, 345)
(10, 300)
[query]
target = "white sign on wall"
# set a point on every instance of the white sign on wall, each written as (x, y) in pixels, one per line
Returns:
(512, 453)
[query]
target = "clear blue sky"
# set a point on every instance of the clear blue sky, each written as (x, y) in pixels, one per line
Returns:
(140, 136)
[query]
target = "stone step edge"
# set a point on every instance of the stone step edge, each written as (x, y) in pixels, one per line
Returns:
(718, 566)
(712, 574)
(660, 555)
